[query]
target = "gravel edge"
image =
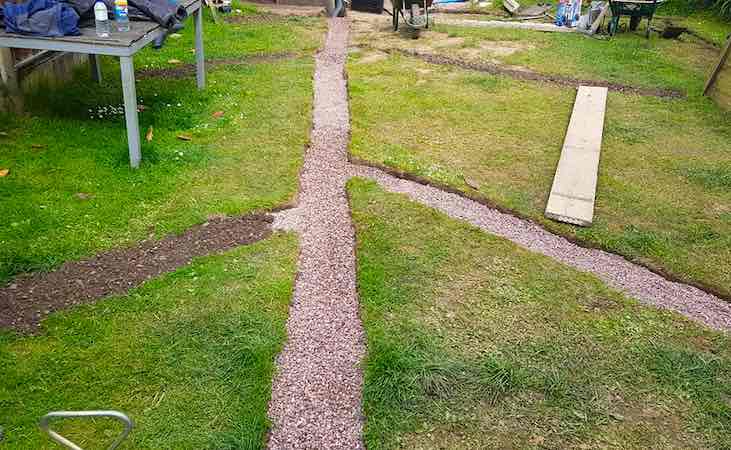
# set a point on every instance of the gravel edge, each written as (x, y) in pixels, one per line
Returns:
(631, 279)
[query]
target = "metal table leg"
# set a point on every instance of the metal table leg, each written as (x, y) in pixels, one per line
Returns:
(96, 68)
(130, 109)
(200, 61)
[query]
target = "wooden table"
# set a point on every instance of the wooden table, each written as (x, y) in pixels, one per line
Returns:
(124, 46)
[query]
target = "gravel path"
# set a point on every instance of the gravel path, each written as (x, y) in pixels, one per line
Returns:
(617, 272)
(316, 396)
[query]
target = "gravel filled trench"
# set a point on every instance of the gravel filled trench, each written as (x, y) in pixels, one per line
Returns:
(631, 279)
(316, 395)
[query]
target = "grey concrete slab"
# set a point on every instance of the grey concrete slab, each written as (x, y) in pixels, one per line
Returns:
(574, 185)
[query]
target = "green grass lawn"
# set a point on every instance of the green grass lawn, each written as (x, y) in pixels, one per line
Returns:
(70, 191)
(188, 356)
(474, 342)
(663, 194)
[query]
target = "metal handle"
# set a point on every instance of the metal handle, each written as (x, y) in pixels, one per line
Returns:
(128, 424)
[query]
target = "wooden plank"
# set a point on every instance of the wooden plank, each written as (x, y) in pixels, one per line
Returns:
(511, 5)
(598, 22)
(717, 69)
(574, 185)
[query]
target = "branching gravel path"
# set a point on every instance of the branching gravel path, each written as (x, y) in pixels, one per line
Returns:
(316, 395)
(617, 272)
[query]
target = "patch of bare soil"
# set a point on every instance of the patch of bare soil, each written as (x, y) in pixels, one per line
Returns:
(188, 70)
(372, 57)
(293, 10)
(528, 75)
(448, 42)
(504, 48)
(255, 19)
(599, 305)
(30, 298)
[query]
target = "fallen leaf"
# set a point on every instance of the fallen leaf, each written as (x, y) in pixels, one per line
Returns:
(218, 114)
(4, 134)
(150, 133)
(141, 108)
(616, 416)
(471, 183)
(185, 137)
(4, 172)
(37, 146)
(83, 196)
(174, 61)
(176, 35)
(537, 440)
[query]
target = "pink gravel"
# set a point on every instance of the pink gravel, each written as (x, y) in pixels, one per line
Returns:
(316, 396)
(631, 279)
(317, 392)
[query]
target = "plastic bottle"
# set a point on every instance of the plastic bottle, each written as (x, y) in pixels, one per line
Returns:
(121, 15)
(101, 19)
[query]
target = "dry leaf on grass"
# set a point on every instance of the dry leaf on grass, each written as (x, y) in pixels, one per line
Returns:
(174, 61)
(471, 183)
(150, 133)
(218, 114)
(185, 137)
(4, 172)
(37, 146)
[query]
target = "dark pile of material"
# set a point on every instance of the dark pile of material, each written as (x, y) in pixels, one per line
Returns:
(62, 17)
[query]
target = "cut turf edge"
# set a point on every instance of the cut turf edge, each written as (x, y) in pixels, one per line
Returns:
(716, 291)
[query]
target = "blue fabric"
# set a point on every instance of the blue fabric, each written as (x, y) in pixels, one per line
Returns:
(41, 18)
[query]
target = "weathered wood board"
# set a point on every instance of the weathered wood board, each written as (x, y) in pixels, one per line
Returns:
(718, 85)
(574, 185)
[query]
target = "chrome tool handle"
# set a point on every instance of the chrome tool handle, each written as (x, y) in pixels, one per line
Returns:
(44, 424)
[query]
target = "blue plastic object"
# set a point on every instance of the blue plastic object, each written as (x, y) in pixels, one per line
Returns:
(561, 14)
(41, 18)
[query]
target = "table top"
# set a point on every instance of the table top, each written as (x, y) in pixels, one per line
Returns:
(117, 44)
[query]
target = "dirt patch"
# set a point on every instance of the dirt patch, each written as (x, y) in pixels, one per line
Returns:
(448, 42)
(504, 48)
(255, 19)
(187, 70)
(372, 57)
(599, 305)
(29, 299)
(293, 10)
(527, 75)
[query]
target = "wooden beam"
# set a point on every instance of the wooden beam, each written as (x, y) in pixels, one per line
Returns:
(574, 186)
(10, 81)
(717, 69)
